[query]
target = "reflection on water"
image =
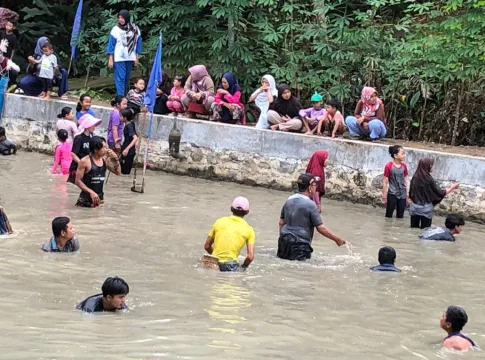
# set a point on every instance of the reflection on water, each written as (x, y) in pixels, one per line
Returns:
(330, 307)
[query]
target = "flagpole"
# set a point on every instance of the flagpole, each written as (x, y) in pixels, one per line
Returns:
(69, 68)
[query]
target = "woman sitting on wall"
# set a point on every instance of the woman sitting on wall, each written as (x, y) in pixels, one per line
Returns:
(263, 98)
(227, 106)
(369, 118)
(284, 111)
(31, 84)
(163, 92)
(199, 90)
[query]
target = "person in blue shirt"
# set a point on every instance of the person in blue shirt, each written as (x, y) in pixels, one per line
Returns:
(83, 107)
(453, 225)
(387, 258)
(64, 239)
(124, 48)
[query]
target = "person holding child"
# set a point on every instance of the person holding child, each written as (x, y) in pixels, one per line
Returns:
(227, 106)
(369, 118)
(174, 103)
(284, 112)
(334, 120)
(312, 116)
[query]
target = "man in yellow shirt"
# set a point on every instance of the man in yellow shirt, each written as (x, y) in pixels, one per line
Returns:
(228, 236)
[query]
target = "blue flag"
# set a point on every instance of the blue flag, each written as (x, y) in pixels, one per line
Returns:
(155, 78)
(76, 29)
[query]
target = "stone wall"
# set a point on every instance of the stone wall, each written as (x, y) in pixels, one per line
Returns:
(264, 158)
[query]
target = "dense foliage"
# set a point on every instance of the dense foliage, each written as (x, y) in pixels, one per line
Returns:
(426, 58)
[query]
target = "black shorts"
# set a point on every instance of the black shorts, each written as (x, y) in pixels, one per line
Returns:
(46, 84)
(292, 248)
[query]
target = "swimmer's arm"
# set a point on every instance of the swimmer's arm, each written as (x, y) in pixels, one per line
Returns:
(322, 229)
(208, 244)
(79, 175)
(112, 162)
(385, 186)
(250, 256)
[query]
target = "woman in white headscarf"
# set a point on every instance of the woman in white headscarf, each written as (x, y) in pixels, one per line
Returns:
(263, 98)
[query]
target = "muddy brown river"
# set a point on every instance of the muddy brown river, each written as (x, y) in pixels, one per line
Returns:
(330, 307)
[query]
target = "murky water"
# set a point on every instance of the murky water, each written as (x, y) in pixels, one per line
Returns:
(331, 307)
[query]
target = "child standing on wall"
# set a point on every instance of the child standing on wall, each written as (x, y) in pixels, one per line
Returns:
(313, 115)
(48, 63)
(128, 148)
(334, 117)
(174, 102)
(394, 191)
(83, 107)
(136, 96)
(115, 125)
(62, 154)
(316, 167)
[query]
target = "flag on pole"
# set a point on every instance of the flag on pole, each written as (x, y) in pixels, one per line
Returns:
(76, 29)
(155, 79)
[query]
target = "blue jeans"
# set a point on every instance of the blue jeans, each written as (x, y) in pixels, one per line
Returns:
(377, 129)
(122, 76)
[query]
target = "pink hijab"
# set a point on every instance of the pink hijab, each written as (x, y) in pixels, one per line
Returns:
(369, 109)
(199, 75)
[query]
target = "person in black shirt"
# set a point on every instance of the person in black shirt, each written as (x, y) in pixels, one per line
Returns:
(64, 239)
(113, 297)
(11, 38)
(130, 138)
(91, 172)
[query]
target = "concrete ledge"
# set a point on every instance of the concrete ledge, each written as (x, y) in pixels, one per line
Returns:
(262, 157)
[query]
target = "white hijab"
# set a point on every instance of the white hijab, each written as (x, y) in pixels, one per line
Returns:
(262, 102)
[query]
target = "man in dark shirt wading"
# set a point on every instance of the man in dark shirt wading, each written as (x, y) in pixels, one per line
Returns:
(64, 239)
(113, 297)
(299, 218)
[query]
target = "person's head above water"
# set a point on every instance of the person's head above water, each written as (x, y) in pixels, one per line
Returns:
(454, 319)
(397, 152)
(62, 228)
(240, 206)
(307, 183)
(454, 223)
(387, 255)
(114, 291)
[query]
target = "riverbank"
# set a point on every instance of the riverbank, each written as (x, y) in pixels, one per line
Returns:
(265, 158)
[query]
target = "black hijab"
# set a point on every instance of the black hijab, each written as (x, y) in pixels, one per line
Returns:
(290, 107)
(131, 30)
(423, 189)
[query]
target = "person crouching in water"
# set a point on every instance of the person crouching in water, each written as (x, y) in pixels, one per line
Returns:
(228, 236)
(453, 225)
(130, 138)
(316, 167)
(453, 321)
(299, 218)
(112, 299)
(92, 170)
(387, 259)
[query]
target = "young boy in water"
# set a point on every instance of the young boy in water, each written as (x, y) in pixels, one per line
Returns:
(387, 258)
(63, 239)
(453, 225)
(7, 146)
(112, 299)
(228, 236)
(453, 321)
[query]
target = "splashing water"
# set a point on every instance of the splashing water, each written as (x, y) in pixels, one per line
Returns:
(348, 246)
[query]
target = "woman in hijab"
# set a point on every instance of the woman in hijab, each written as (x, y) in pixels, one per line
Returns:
(284, 111)
(124, 48)
(369, 118)
(263, 98)
(227, 106)
(31, 85)
(199, 88)
(316, 167)
(163, 92)
(425, 194)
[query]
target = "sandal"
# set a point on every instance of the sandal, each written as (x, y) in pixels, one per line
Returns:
(64, 97)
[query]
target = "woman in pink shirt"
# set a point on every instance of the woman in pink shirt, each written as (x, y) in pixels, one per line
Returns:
(62, 155)
(227, 106)
(66, 122)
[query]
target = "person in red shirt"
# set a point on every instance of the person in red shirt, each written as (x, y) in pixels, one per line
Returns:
(394, 189)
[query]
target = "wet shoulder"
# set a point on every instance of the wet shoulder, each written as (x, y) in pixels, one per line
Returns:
(91, 304)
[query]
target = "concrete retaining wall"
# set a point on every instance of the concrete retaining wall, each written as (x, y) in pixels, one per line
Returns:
(263, 157)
